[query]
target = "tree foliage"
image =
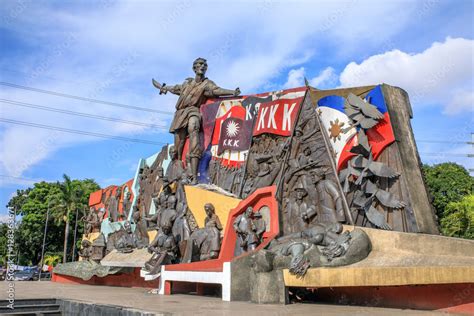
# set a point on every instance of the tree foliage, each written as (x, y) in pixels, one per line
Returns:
(32, 205)
(458, 219)
(447, 182)
(3, 244)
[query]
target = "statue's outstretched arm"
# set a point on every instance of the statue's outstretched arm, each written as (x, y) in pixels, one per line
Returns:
(176, 89)
(216, 91)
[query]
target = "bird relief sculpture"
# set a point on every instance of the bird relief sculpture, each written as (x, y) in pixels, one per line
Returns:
(362, 174)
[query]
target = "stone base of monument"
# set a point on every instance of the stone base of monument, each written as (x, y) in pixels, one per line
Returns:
(135, 258)
(131, 262)
(403, 270)
(131, 279)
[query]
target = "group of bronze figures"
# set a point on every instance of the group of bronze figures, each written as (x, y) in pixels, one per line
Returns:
(178, 239)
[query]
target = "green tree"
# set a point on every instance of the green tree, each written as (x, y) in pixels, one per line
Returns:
(16, 202)
(3, 244)
(447, 182)
(30, 231)
(458, 219)
(72, 197)
(65, 205)
(32, 208)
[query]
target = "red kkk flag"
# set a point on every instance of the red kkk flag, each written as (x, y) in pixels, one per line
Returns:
(235, 111)
(277, 117)
(234, 132)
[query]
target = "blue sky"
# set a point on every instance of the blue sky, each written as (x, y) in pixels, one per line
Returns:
(110, 50)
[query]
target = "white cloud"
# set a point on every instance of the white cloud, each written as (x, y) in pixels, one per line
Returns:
(463, 101)
(326, 78)
(433, 76)
(295, 78)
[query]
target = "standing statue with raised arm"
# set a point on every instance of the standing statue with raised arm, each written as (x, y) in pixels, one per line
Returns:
(187, 119)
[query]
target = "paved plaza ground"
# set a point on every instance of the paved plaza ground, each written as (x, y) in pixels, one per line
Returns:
(142, 299)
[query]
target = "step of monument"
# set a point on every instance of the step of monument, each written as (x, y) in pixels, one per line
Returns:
(36, 306)
(38, 301)
(35, 313)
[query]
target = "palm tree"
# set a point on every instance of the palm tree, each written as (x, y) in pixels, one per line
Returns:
(68, 200)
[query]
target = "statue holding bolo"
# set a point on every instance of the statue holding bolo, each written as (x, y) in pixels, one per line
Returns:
(187, 120)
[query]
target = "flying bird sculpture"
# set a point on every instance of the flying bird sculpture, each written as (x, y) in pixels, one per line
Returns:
(361, 113)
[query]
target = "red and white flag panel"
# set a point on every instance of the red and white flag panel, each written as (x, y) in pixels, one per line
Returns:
(277, 117)
(237, 120)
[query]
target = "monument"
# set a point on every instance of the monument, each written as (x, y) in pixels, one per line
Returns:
(292, 189)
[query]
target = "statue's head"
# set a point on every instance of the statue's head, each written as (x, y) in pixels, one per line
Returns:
(200, 66)
(172, 152)
(160, 172)
(166, 228)
(171, 202)
(163, 198)
(127, 226)
(249, 211)
(317, 176)
(209, 208)
(300, 193)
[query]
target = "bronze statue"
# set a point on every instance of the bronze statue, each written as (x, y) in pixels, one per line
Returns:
(187, 120)
(98, 248)
(299, 213)
(160, 206)
(124, 239)
(92, 221)
(298, 168)
(248, 232)
(331, 237)
(112, 206)
(126, 204)
(175, 168)
(205, 243)
(181, 230)
(329, 200)
(159, 181)
(141, 233)
(163, 248)
(86, 249)
(148, 189)
(169, 214)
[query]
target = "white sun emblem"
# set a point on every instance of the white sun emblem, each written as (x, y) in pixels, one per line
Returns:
(232, 129)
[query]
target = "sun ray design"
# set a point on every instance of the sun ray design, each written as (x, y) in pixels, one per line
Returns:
(336, 129)
(232, 129)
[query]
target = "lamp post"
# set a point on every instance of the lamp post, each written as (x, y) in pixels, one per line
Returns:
(44, 242)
